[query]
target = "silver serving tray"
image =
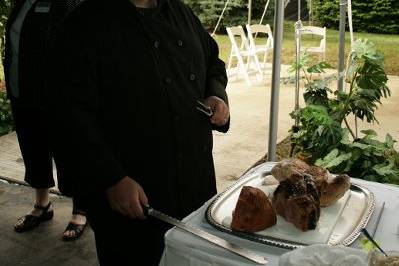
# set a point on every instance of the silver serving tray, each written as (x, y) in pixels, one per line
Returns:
(354, 217)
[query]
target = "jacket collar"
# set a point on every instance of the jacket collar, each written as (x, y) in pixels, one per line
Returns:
(163, 5)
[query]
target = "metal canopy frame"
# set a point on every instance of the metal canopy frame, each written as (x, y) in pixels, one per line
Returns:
(275, 89)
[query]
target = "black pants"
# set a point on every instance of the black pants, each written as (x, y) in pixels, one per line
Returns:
(122, 241)
(32, 132)
(33, 139)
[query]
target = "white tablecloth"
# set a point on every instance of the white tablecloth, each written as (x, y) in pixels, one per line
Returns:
(185, 249)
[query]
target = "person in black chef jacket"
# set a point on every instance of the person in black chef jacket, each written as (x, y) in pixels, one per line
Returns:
(130, 81)
(30, 30)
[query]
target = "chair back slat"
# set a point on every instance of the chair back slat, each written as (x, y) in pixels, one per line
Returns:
(253, 30)
(238, 31)
(321, 32)
(314, 30)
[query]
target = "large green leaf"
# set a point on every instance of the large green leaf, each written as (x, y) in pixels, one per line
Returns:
(333, 159)
(319, 67)
(384, 169)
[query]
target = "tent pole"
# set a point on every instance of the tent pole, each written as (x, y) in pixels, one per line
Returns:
(298, 30)
(274, 101)
(341, 58)
(350, 22)
(352, 41)
(299, 10)
(249, 11)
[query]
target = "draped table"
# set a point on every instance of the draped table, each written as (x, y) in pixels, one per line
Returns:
(185, 249)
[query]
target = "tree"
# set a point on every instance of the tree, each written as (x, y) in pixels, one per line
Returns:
(209, 11)
(379, 16)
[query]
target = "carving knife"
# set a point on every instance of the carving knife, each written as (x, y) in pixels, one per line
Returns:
(207, 236)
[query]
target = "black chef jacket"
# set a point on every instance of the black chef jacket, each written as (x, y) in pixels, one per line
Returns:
(124, 102)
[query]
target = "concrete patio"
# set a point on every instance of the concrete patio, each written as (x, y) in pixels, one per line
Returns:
(234, 153)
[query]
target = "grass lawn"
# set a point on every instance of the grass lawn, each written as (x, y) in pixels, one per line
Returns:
(387, 44)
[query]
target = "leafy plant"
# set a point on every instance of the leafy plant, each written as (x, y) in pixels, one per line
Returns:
(320, 136)
(5, 7)
(317, 131)
(6, 120)
(367, 158)
(380, 16)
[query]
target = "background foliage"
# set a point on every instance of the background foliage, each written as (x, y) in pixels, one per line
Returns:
(378, 16)
(4, 11)
(6, 121)
(320, 136)
(236, 13)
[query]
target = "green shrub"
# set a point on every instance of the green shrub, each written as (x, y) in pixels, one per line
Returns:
(6, 120)
(319, 135)
(378, 16)
(366, 158)
(5, 6)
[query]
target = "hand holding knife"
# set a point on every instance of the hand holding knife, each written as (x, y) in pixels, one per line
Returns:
(148, 211)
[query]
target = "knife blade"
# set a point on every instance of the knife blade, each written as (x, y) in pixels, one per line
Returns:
(207, 236)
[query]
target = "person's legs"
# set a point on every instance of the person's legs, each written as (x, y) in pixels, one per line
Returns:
(32, 138)
(78, 222)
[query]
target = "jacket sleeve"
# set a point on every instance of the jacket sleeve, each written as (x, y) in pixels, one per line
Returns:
(216, 76)
(73, 104)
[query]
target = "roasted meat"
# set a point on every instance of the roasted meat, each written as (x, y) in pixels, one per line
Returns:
(298, 202)
(253, 212)
(320, 176)
(330, 188)
(335, 188)
(288, 168)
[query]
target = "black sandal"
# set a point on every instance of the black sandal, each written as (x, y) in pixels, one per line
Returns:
(28, 222)
(78, 229)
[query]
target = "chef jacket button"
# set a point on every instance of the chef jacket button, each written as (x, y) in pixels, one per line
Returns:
(156, 44)
(168, 80)
(180, 43)
(192, 77)
(177, 117)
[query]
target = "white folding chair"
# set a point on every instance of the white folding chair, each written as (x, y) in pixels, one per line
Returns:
(239, 51)
(253, 32)
(321, 49)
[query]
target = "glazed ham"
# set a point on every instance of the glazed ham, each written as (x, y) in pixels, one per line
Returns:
(253, 212)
